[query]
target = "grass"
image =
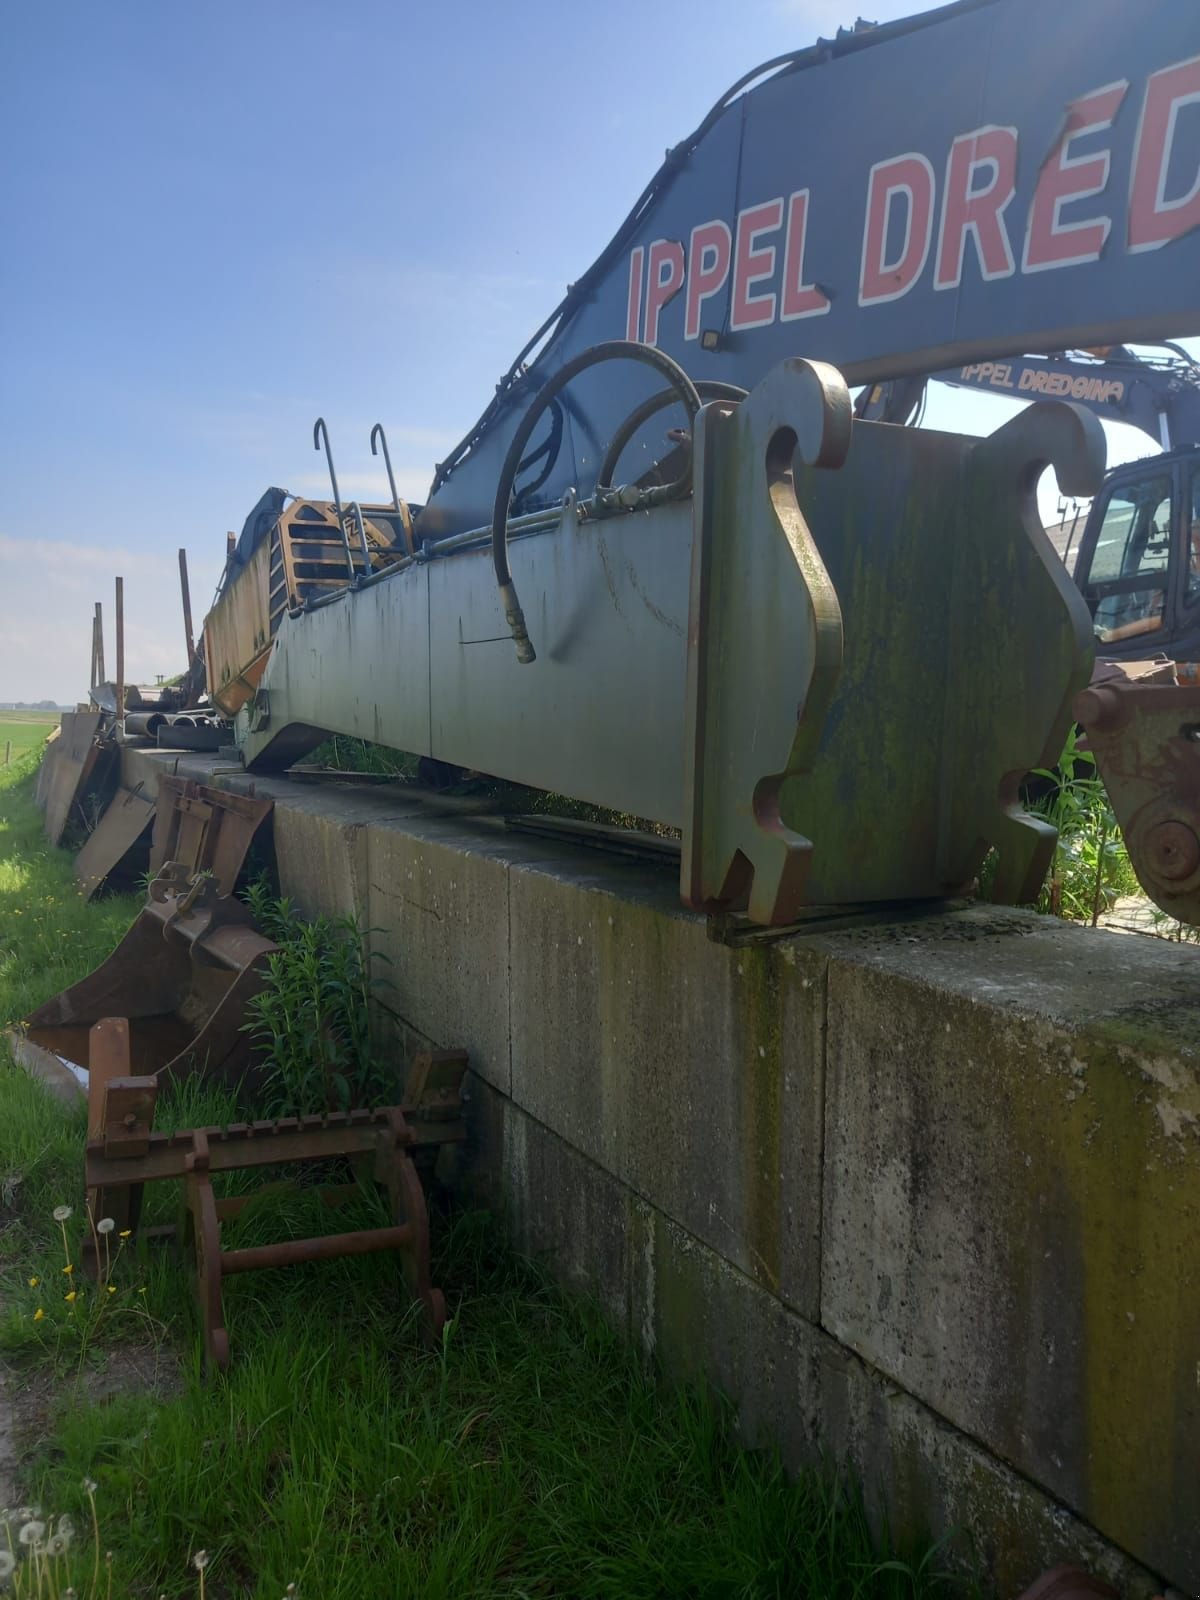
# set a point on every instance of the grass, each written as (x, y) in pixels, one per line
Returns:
(532, 1454)
(25, 731)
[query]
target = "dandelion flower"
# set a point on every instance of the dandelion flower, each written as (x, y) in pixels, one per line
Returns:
(33, 1282)
(8, 1563)
(65, 1527)
(62, 1213)
(112, 1288)
(74, 1295)
(32, 1532)
(56, 1545)
(105, 1225)
(38, 1314)
(88, 1486)
(125, 1233)
(68, 1269)
(200, 1560)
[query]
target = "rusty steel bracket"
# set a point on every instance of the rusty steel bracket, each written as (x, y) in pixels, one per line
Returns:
(1145, 735)
(206, 829)
(764, 640)
(123, 1155)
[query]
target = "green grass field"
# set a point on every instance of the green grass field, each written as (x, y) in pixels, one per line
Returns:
(25, 730)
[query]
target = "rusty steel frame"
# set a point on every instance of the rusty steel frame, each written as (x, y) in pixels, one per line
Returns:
(382, 1144)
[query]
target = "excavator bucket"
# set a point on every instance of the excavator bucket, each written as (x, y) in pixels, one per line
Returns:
(208, 830)
(182, 976)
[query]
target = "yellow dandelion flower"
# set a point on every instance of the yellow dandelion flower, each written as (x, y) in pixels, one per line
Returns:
(126, 1232)
(68, 1269)
(72, 1296)
(112, 1288)
(33, 1282)
(38, 1314)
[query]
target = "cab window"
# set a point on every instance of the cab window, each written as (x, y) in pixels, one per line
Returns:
(1127, 585)
(1193, 541)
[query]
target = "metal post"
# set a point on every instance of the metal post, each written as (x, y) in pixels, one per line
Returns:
(7, 751)
(120, 657)
(187, 610)
(100, 674)
(92, 672)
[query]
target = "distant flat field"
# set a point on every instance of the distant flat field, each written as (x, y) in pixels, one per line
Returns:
(26, 729)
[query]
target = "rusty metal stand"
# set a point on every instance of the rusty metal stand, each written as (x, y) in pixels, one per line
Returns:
(123, 1154)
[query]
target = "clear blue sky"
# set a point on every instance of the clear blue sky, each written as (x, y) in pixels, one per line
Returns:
(225, 218)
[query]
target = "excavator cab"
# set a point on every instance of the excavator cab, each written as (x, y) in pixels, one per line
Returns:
(1139, 563)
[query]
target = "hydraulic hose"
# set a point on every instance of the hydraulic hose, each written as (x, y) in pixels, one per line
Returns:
(706, 388)
(682, 387)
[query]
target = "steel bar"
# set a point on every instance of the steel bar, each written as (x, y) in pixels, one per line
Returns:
(231, 1149)
(293, 1252)
(120, 601)
(189, 637)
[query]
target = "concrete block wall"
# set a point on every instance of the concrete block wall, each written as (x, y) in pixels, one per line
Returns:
(925, 1197)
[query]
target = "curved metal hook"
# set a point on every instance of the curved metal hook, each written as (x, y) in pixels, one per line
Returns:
(387, 459)
(320, 431)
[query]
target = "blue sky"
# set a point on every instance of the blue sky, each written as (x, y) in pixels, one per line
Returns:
(224, 219)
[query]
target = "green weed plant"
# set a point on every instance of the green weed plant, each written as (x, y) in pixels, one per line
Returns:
(310, 1023)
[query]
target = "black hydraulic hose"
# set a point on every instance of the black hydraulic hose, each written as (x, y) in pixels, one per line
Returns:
(706, 388)
(549, 448)
(611, 350)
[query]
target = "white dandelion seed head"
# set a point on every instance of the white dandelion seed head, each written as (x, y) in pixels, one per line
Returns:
(8, 1564)
(56, 1545)
(32, 1531)
(89, 1486)
(65, 1527)
(200, 1560)
(105, 1225)
(62, 1213)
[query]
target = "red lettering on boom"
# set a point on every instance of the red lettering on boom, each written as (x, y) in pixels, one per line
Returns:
(633, 306)
(1154, 220)
(661, 284)
(977, 212)
(798, 299)
(1050, 242)
(909, 177)
(709, 253)
(752, 265)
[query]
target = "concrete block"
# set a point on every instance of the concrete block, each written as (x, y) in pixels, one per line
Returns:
(555, 1202)
(792, 1385)
(690, 1070)
(1012, 1203)
(438, 912)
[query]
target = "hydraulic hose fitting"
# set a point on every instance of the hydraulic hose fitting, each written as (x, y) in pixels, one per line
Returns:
(515, 618)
